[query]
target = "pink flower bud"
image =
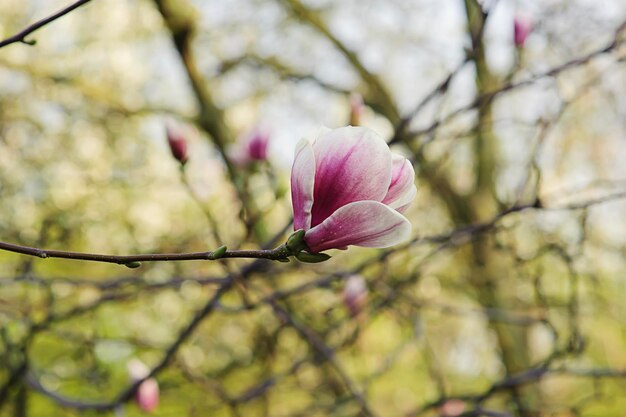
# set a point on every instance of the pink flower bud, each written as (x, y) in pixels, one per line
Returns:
(356, 109)
(147, 395)
(452, 408)
(348, 188)
(521, 29)
(177, 142)
(355, 294)
(250, 148)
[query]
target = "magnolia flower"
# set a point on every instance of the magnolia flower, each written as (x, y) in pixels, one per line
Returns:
(355, 294)
(176, 140)
(521, 29)
(250, 148)
(147, 395)
(348, 188)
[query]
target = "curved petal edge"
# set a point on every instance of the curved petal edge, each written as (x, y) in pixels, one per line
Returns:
(362, 223)
(402, 179)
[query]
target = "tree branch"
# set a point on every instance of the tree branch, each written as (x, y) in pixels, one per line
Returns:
(21, 36)
(278, 253)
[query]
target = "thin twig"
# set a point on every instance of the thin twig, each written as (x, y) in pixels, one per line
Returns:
(21, 36)
(279, 253)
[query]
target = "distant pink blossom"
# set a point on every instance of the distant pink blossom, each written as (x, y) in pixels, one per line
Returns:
(355, 294)
(177, 142)
(348, 188)
(147, 395)
(522, 27)
(252, 147)
(452, 408)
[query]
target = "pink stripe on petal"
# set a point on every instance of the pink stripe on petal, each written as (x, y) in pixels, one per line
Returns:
(402, 178)
(352, 164)
(302, 183)
(363, 223)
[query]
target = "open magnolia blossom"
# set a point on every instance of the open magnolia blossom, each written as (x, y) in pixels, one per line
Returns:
(348, 188)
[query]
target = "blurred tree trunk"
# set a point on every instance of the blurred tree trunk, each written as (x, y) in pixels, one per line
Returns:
(489, 273)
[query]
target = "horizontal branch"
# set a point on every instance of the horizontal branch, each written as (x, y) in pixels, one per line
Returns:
(21, 36)
(280, 253)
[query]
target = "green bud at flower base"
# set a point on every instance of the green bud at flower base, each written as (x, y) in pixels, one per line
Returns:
(133, 265)
(295, 243)
(312, 258)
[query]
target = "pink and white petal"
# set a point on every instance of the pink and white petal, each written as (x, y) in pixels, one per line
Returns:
(404, 201)
(351, 164)
(362, 223)
(402, 179)
(302, 185)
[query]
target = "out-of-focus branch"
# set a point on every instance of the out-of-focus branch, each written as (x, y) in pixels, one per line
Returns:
(179, 17)
(483, 200)
(281, 69)
(21, 36)
(402, 127)
(520, 379)
(211, 305)
(319, 346)
(376, 93)
(168, 355)
(489, 96)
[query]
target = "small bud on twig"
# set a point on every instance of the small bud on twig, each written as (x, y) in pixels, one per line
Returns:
(177, 142)
(250, 148)
(355, 294)
(522, 26)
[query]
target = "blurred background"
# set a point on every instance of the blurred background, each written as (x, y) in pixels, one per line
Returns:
(508, 300)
